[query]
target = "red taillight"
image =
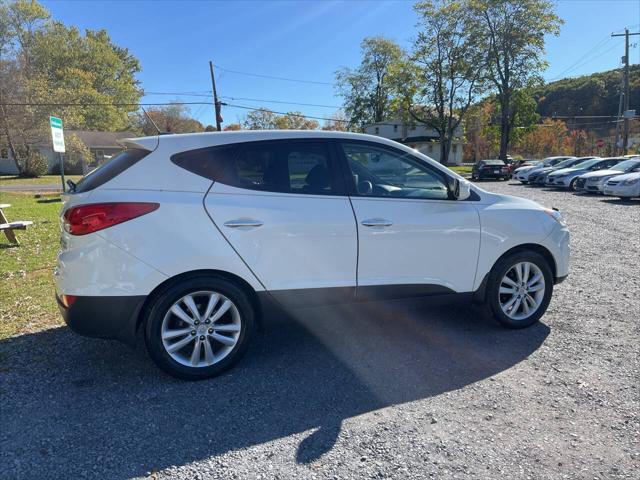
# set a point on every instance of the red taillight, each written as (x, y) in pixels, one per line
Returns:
(68, 300)
(98, 216)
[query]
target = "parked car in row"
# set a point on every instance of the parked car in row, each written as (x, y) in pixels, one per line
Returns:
(539, 176)
(513, 164)
(186, 239)
(623, 186)
(568, 177)
(522, 174)
(490, 169)
(593, 182)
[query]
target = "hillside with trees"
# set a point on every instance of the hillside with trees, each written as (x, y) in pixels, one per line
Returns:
(595, 94)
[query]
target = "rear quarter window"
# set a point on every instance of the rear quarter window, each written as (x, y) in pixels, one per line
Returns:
(213, 163)
(111, 169)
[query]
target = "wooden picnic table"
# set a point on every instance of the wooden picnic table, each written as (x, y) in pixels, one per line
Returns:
(8, 227)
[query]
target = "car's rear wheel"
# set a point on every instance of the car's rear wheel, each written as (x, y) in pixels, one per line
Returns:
(519, 289)
(199, 328)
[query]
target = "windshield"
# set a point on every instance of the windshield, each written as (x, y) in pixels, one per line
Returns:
(587, 163)
(626, 165)
(550, 162)
(493, 162)
(568, 163)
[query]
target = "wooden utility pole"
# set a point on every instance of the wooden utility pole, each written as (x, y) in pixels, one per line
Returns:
(216, 103)
(625, 136)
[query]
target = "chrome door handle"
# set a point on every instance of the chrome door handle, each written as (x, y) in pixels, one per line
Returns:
(243, 223)
(377, 222)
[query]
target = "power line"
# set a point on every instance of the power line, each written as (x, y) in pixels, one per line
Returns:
(274, 77)
(208, 94)
(281, 101)
(253, 108)
(292, 114)
(603, 41)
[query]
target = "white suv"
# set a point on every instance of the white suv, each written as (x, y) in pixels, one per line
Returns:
(187, 237)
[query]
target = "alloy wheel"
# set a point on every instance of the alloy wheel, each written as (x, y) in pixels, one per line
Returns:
(521, 290)
(201, 328)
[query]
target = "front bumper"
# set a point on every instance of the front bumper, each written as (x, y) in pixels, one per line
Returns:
(558, 243)
(622, 190)
(558, 182)
(592, 187)
(104, 317)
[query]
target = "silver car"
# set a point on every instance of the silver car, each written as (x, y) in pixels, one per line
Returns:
(593, 182)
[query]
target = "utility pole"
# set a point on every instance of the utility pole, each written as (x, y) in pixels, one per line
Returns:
(216, 103)
(625, 137)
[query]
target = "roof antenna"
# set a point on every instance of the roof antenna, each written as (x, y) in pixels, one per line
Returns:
(151, 120)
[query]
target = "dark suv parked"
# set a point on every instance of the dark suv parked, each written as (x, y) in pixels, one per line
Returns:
(490, 169)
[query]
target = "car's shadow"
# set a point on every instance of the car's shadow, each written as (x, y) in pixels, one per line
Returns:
(75, 405)
(621, 201)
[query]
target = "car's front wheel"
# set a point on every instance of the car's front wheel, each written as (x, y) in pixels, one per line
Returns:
(200, 327)
(519, 289)
(573, 184)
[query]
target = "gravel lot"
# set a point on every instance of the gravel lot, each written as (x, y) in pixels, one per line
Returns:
(379, 390)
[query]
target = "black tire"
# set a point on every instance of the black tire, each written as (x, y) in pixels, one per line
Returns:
(496, 275)
(572, 184)
(164, 300)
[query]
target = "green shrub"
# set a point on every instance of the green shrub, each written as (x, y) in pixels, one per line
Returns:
(35, 164)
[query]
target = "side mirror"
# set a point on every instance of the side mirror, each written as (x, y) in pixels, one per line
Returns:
(461, 189)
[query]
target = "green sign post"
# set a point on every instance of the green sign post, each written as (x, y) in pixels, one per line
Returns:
(57, 136)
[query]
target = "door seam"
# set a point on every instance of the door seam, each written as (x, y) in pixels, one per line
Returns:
(204, 206)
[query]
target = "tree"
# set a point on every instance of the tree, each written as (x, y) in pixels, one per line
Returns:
(336, 122)
(43, 60)
(261, 119)
(264, 119)
(295, 121)
(232, 127)
(77, 155)
(513, 34)
(368, 91)
(449, 67)
(549, 138)
(169, 119)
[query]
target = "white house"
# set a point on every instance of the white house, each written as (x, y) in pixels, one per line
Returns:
(420, 137)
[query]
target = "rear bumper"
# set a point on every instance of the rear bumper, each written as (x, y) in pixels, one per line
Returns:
(104, 317)
(492, 175)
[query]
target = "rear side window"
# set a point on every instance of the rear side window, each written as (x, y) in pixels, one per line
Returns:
(209, 162)
(111, 169)
(271, 166)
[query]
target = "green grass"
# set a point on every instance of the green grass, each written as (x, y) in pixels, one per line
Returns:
(460, 170)
(43, 180)
(27, 300)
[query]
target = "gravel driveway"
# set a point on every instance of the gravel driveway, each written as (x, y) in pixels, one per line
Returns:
(378, 390)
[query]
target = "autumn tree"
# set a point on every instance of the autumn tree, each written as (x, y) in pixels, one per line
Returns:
(169, 119)
(232, 127)
(549, 138)
(295, 121)
(261, 119)
(369, 90)
(264, 119)
(449, 67)
(337, 122)
(513, 33)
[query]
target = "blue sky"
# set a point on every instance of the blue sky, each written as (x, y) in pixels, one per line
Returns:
(304, 40)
